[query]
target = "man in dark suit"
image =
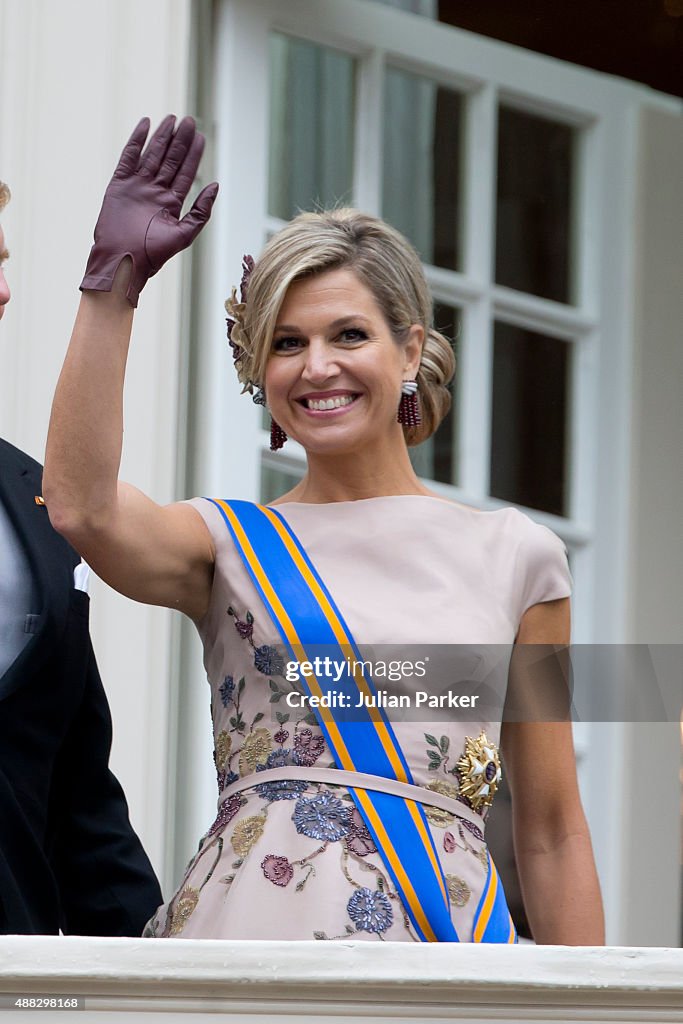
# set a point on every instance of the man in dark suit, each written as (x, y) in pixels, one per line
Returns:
(69, 858)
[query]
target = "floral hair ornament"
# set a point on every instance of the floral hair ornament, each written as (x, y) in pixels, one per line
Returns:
(237, 333)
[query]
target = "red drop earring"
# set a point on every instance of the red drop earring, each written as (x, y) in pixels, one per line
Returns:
(277, 436)
(409, 406)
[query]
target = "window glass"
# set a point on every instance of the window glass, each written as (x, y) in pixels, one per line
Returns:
(311, 127)
(534, 205)
(275, 481)
(422, 156)
(425, 8)
(529, 428)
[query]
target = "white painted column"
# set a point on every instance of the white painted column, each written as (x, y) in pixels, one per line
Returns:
(74, 79)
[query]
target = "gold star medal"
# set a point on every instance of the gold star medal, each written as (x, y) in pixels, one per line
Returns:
(479, 771)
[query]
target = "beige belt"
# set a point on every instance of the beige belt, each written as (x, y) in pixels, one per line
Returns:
(354, 780)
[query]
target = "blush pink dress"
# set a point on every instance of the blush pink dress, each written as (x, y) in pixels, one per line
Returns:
(293, 859)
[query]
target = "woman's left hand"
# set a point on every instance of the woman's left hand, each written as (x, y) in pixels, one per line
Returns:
(140, 215)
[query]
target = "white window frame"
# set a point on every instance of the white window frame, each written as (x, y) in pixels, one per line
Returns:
(229, 440)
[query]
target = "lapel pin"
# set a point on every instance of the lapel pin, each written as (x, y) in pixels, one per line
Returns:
(39, 499)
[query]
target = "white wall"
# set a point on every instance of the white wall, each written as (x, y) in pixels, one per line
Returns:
(652, 783)
(656, 605)
(75, 76)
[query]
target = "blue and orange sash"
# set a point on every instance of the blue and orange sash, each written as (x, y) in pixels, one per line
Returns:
(307, 619)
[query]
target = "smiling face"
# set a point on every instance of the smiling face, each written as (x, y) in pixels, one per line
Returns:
(333, 379)
(4, 287)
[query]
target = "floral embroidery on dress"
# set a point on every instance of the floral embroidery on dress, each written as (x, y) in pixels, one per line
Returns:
(322, 816)
(226, 690)
(226, 812)
(255, 750)
(307, 748)
(223, 745)
(483, 857)
(438, 754)
(277, 870)
(323, 819)
(281, 789)
(246, 833)
(472, 828)
(245, 627)
(370, 910)
(181, 908)
(458, 890)
(358, 840)
(269, 661)
(185, 905)
(437, 815)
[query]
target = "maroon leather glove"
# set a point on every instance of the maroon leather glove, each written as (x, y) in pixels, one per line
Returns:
(141, 208)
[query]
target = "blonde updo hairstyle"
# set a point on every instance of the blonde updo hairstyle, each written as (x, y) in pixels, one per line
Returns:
(5, 195)
(384, 261)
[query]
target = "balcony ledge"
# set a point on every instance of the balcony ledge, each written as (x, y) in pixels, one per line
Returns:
(352, 981)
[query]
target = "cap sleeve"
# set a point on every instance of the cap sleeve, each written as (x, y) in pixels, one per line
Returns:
(543, 568)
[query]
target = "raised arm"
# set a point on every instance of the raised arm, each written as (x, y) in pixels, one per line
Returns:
(160, 555)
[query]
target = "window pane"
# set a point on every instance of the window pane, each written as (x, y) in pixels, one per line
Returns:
(276, 482)
(437, 458)
(425, 8)
(534, 205)
(311, 127)
(529, 432)
(422, 149)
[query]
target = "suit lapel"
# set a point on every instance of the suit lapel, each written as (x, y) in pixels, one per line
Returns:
(48, 554)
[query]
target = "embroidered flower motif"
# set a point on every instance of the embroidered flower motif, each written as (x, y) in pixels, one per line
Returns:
(458, 890)
(225, 779)
(483, 857)
(246, 833)
(281, 736)
(449, 843)
(370, 911)
(277, 870)
(278, 758)
(322, 817)
(226, 690)
(226, 812)
(358, 839)
(245, 627)
(223, 745)
(436, 815)
(185, 905)
(283, 789)
(472, 828)
(307, 748)
(255, 750)
(268, 661)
